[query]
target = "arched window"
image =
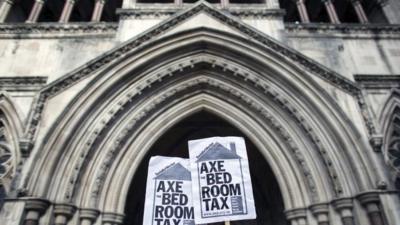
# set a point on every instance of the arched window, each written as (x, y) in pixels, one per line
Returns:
(393, 146)
(6, 162)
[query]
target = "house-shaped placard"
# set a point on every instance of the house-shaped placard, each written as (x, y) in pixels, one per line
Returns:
(220, 180)
(168, 192)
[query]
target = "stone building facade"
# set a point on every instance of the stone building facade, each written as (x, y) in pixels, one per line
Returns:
(90, 89)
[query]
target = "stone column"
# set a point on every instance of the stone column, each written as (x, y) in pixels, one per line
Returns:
(321, 213)
(344, 206)
(370, 201)
(88, 216)
(333, 17)
(297, 216)
(301, 7)
(67, 10)
(98, 10)
(178, 2)
(5, 7)
(362, 17)
(34, 208)
(35, 12)
(110, 218)
(62, 213)
(224, 3)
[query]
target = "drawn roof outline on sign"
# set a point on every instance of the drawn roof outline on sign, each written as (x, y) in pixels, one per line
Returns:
(174, 172)
(217, 151)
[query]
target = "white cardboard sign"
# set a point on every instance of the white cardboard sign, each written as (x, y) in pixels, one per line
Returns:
(168, 192)
(221, 181)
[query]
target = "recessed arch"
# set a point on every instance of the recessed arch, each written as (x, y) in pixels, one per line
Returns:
(314, 145)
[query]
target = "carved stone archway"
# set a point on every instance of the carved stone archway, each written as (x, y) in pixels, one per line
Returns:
(113, 122)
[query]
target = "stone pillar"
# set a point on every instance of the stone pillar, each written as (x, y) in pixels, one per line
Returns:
(62, 213)
(35, 12)
(344, 206)
(67, 10)
(224, 3)
(88, 216)
(110, 218)
(178, 2)
(321, 213)
(301, 7)
(333, 17)
(370, 201)
(362, 17)
(297, 216)
(5, 7)
(98, 10)
(34, 208)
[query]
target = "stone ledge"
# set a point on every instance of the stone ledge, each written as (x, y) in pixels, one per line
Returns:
(26, 83)
(343, 30)
(255, 11)
(380, 81)
(57, 30)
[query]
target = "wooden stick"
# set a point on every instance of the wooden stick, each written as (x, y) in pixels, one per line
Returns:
(227, 222)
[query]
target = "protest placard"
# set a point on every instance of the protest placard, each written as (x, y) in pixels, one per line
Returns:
(221, 181)
(168, 192)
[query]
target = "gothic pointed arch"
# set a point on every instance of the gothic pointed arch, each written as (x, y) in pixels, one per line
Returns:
(114, 120)
(390, 121)
(10, 133)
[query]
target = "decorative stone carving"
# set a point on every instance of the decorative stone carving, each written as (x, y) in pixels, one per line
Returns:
(376, 142)
(46, 30)
(394, 144)
(343, 30)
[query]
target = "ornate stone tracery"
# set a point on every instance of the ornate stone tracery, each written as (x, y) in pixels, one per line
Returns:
(393, 152)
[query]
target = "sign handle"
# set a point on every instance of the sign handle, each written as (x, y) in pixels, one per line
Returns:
(227, 222)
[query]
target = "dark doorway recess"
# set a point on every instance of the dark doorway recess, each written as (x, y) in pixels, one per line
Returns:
(268, 199)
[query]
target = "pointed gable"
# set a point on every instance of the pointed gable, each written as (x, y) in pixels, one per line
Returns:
(216, 151)
(174, 172)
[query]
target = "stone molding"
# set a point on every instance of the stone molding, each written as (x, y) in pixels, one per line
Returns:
(39, 205)
(89, 214)
(320, 208)
(112, 218)
(255, 12)
(248, 76)
(368, 197)
(25, 83)
(296, 213)
(57, 30)
(343, 203)
(134, 122)
(321, 213)
(378, 81)
(343, 30)
(64, 209)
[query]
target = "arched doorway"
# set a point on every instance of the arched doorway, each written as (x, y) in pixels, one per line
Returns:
(268, 199)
